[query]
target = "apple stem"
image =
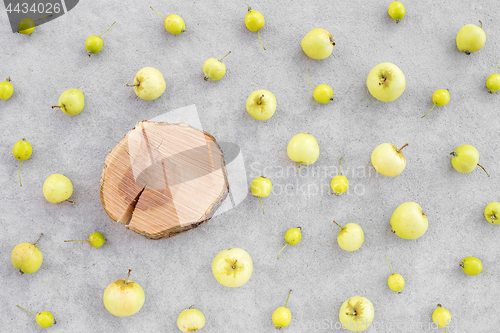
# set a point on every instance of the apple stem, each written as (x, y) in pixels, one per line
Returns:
(481, 24)
(389, 264)
(428, 111)
(484, 169)
(487, 272)
(258, 35)
(300, 163)
(26, 311)
(42, 18)
(495, 68)
(56, 106)
(225, 56)
(259, 102)
(288, 297)
(128, 276)
(493, 217)
(382, 81)
(107, 29)
(338, 225)
(84, 240)
(234, 264)
(281, 250)
(38, 239)
(133, 85)
(249, 8)
(157, 12)
(8, 79)
(70, 201)
(406, 144)
(340, 166)
(261, 205)
(20, 165)
(308, 78)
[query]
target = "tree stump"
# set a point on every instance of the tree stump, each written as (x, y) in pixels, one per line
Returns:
(163, 179)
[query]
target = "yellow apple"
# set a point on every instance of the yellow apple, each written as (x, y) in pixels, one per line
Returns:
(356, 314)
(57, 188)
(190, 320)
(470, 38)
(408, 221)
(123, 297)
(232, 267)
(318, 44)
(149, 83)
(492, 212)
(388, 160)
(441, 316)
(350, 236)
(386, 82)
(261, 104)
(71, 102)
(26, 257)
(303, 148)
(465, 158)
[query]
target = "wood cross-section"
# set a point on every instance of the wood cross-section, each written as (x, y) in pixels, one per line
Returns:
(163, 179)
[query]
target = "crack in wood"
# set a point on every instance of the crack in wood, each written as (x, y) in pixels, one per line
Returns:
(127, 215)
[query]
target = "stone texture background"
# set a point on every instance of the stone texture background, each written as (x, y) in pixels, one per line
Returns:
(175, 273)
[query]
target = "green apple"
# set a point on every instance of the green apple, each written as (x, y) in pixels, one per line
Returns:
(471, 38)
(232, 267)
(149, 83)
(318, 44)
(303, 148)
(408, 221)
(71, 102)
(350, 236)
(26, 257)
(492, 212)
(356, 314)
(386, 82)
(190, 320)
(261, 104)
(388, 160)
(123, 297)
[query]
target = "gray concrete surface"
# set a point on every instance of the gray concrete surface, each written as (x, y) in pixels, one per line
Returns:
(175, 273)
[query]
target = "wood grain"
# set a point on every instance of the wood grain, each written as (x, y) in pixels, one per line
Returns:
(162, 179)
